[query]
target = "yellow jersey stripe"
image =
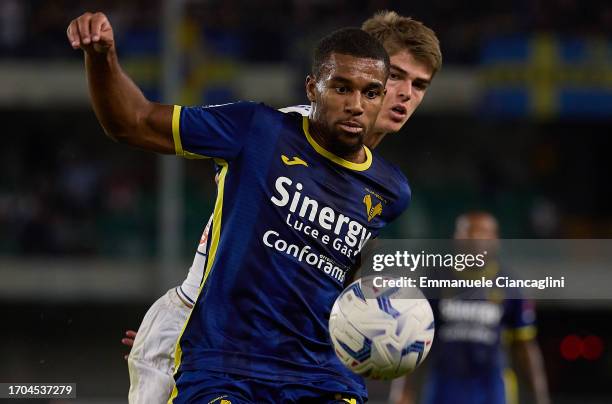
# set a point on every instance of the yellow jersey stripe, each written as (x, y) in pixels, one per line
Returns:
(217, 218)
(510, 386)
(176, 136)
(176, 130)
(214, 243)
(524, 333)
(331, 156)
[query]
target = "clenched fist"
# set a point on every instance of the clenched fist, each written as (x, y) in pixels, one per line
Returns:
(91, 32)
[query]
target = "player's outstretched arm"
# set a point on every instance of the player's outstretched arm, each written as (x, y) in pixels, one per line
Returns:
(402, 391)
(123, 111)
(529, 359)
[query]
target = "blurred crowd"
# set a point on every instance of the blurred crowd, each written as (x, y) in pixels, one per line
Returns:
(65, 189)
(245, 28)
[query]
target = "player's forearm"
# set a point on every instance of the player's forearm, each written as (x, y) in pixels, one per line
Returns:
(532, 365)
(402, 391)
(118, 103)
(124, 112)
(539, 383)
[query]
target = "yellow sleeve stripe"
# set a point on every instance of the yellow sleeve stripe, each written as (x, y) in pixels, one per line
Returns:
(176, 130)
(176, 135)
(525, 333)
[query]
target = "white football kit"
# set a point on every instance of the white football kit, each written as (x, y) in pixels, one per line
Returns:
(151, 359)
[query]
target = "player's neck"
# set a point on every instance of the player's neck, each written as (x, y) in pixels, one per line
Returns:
(372, 140)
(358, 156)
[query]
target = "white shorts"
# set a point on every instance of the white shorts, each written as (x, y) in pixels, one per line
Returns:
(151, 360)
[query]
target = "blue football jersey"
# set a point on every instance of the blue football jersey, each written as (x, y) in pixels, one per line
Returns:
(470, 333)
(468, 359)
(289, 222)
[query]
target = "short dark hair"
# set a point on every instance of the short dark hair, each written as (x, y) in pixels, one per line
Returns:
(349, 41)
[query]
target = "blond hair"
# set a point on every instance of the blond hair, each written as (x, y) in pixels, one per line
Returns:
(398, 33)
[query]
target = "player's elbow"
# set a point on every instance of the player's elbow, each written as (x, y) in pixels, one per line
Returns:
(142, 136)
(119, 133)
(148, 127)
(130, 129)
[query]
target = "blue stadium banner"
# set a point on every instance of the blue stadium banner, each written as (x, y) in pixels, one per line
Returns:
(547, 76)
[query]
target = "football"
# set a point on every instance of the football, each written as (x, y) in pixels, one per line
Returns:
(381, 333)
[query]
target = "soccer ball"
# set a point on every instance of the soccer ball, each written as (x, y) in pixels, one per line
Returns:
(381, 333)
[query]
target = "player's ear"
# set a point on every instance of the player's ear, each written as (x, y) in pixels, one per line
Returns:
(311, 84)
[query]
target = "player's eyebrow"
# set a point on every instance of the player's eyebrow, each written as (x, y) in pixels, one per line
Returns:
(347, 81)
(402, 72)
(398, 69)
(375, 85)
(371, 85)
(341, 80)
(423, 83)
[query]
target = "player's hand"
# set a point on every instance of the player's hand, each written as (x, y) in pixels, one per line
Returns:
(91, 32)
(128, 340)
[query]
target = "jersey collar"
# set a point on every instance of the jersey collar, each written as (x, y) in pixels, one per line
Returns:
(331, 156)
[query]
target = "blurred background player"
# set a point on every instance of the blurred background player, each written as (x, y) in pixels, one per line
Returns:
(469, 363)
(415, 58)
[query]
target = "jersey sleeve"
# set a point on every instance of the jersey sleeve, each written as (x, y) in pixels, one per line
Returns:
(217, 131)
(520, 319)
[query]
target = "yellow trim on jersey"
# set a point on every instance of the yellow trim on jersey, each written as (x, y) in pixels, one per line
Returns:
(212, 252)
(176, 136)
(331, 156)
(510, 386)
(525, 333)
(176, 130)
(217, 217)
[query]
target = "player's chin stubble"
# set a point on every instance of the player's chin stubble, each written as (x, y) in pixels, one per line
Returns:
(346, 144)
(336, 141)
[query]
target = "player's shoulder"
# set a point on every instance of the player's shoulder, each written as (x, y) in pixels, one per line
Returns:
(246, 108)
(238, 107)
(238, 110)
(301, 110)
(290, 117)
(393, 179)
(391, 172)
(242, 104)
(293, 112)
